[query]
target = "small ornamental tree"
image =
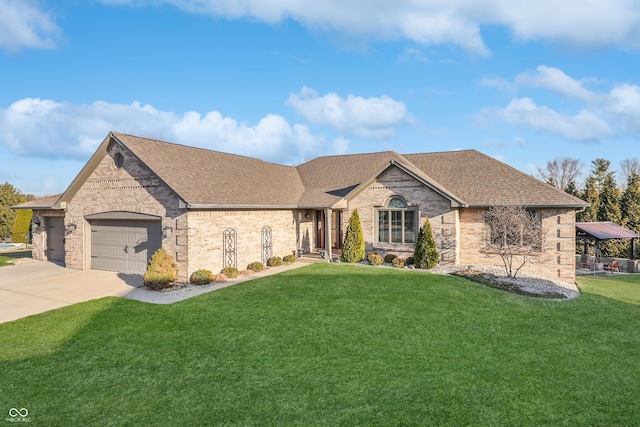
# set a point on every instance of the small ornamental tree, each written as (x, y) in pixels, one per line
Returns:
(426, 255)
(161, 272)
(514, 234)
(22, 225)
(353, 249)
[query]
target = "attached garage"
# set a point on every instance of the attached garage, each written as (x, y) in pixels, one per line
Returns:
(124, 241)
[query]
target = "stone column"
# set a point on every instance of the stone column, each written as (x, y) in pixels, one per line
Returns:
(327, 233)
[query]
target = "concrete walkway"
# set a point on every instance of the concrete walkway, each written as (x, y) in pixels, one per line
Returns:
(36, 287)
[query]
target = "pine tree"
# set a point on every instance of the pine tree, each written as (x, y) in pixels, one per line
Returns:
(590, 194)
(353, 249)
(426, 255)
(609, 210)
(630, 203)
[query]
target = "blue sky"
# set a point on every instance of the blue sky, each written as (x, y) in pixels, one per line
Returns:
(289, 80)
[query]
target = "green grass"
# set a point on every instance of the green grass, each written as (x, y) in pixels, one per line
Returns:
(330, 345)
(5, 260)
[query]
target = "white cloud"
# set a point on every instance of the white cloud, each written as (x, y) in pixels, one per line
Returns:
(357, 116)
(584, 23)
(45, 128)
(24, 25)
(556, 80)
(583, 126)
(624, 103)
(603, 114)
(499, 83)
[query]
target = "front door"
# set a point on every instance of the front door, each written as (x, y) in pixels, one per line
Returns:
(336, 230)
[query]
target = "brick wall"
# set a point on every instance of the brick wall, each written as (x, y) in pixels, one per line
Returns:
(396, 182)
(557, 260)
(206, 229)
(132, 188)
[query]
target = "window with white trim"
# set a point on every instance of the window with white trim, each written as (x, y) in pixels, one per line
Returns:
(396, 223)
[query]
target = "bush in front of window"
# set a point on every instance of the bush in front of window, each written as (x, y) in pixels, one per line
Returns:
(375, 259)
(409, 261)
(398, 262)
(426, 255)
(388, 258)
(353, 249)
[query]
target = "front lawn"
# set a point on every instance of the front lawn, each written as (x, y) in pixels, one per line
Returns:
(5, 260)
(329, 345)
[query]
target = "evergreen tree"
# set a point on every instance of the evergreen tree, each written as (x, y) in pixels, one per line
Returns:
(9, 196)
(22, 225)
(426, 254)
(590, 194)
(353, 249)
(609, 210)
(630, 204)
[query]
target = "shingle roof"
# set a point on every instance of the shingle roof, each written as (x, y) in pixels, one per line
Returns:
(205, 177)
(480, 180)
(214, 179)
(47, 202)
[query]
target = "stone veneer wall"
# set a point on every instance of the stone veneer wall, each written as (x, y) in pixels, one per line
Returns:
(556, 261)
(132, 188)
(206, 230)
(396, 182)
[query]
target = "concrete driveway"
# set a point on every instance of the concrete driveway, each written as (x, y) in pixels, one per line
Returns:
(39, 286)
(35, 287)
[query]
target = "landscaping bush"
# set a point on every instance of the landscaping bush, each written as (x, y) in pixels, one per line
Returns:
(22, 225)
(375, 259)
(201, 277)
(353, 249)
(256, 266)
(289, 259)
(246, 272)
(409, 261)
(219, 278)
(388, 258)
(398, 262)
(274, 261)
(230, 272)
(426, 255)
(161, 271)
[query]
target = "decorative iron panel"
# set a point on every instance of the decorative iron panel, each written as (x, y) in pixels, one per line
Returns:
(230, 248)
(267, 251)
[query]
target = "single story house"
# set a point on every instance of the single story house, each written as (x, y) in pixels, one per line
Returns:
(210, 209)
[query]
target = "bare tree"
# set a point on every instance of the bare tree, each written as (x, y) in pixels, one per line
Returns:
(628, 167)
(561, 172)
(513, 233)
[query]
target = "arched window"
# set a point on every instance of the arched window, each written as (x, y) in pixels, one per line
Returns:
(397, 223)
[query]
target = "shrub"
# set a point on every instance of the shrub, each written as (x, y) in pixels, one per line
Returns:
(426, 255)
(22, 225)
(274, 261)
(246, 272)
(353, 247)
(409, 261)
(289, 259)
(230, 272)
(256, 266)
(375, 259)
(201, 277)
(161, 271)
(219, 278)
(388, 258)
(398, 262)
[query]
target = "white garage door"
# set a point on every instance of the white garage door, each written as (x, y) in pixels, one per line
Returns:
(124, 246)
